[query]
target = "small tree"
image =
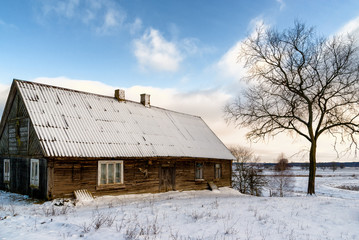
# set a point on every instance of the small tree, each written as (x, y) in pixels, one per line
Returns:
(282, 163)
(322, 166)
(283, 177)
(333, 166)
(246, 177)
(305, 166)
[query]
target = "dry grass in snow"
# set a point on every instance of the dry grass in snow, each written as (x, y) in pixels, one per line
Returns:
(183, 215)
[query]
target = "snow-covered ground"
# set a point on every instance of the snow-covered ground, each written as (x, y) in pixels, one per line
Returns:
(332, 214)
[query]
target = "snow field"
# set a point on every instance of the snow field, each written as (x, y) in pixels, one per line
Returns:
(332, 214)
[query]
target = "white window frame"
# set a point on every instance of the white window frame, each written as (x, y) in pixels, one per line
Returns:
(108, 180)
(217, 171)
(34, 173)
(199, 171)
(7, 171)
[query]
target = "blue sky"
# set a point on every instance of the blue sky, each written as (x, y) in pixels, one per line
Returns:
(182, 52)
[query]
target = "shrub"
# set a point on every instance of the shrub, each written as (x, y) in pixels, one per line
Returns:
(246, 172)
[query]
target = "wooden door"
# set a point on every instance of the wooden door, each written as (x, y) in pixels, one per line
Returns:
(167, 179)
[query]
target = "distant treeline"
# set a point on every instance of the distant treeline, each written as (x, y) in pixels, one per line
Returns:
(319, 165)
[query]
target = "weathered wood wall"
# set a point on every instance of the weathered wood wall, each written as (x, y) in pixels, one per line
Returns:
(65, 176)
(19, 136)
(19, 143)
(20, 177)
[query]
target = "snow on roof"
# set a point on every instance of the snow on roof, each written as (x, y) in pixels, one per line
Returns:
(70, 123)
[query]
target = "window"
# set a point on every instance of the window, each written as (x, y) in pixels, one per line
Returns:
(199, 171)
(6, 170)
(217, 171)
(34, 173)
(110, 172)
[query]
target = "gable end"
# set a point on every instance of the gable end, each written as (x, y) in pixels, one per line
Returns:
(17, 135)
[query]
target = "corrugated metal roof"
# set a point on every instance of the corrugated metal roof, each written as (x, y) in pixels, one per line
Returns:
(70, 123)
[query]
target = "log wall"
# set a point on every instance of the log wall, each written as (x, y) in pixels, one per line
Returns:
(66, 176)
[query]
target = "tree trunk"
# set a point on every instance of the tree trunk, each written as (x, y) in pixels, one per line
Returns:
(312, 168)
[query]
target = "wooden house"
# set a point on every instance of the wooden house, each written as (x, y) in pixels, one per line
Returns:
(54, 141)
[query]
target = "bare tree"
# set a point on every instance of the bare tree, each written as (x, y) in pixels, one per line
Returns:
(342, 165)
(322, 166)
(333, 166)
(282, 181)
(305, 166)
(302, 84)
(246, 173)
(282, 163)
(283, 178)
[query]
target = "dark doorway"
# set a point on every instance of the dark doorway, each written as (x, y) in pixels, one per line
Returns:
(167, 178)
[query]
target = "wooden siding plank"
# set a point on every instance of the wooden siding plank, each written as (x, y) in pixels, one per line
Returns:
(69, 176)
(19, 136)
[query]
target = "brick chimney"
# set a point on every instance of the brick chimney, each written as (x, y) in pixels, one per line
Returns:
(120, 94)
(145, 100)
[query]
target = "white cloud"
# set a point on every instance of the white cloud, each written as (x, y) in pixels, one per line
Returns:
(6, 25)
(194, 47)
(281, 4)
(111, 20)
(154, 52)
(65, 8)
(76, 84)
(230, 65)
(351, 27)
(4, 91)
(257, 22)
(88, 16)
(136, 26)
(104, 17)
(190, 44)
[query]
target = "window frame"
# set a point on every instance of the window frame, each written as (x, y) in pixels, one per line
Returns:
(34, 179)
(107, 163)
(7, 174)
(217, 171)
(200, 170)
